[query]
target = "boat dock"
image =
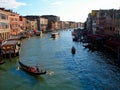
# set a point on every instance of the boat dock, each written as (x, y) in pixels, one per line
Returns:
(10, 48)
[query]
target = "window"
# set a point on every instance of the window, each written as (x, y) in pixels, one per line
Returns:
(4, 25)
(3, 16)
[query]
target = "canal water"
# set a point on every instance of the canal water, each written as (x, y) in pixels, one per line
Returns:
(86, 70)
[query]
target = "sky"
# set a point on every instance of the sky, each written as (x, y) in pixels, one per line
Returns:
(67, 10)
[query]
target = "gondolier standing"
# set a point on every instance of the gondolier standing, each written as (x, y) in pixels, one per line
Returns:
(37, 69)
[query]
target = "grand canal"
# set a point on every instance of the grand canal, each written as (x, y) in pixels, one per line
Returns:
(85, 70)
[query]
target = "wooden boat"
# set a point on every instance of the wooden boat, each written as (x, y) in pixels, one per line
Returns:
(32, 69)
(73, 50)
(54, 35)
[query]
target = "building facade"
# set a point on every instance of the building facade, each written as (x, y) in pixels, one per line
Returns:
(33, 19)
(14, 23)
(117, 23)
(23, 23)
(104, 22)
(52, 22)
(4, 25)
(43, 24)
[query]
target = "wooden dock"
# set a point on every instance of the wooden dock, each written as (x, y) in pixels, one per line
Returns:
(10, 48)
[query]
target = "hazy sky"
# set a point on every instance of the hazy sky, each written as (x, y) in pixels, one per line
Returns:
(68, 10)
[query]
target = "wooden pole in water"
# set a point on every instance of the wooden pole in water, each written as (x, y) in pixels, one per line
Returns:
(14, 54)
(5, 54)
(119, 55)
(10, 55)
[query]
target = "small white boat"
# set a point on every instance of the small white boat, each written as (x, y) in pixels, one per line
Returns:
(55, 35)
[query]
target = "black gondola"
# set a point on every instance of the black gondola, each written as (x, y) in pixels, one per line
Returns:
(32, 70)
(73, 50)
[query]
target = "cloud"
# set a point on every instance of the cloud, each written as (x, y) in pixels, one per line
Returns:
(57, 3)
(11, 4)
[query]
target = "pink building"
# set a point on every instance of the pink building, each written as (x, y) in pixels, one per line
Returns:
(4, 25)
(14, 23)
(22, 23)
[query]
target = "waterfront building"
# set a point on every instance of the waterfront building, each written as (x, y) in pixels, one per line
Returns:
(61, 24)
(117, 23)
(66, 25)
(43, 24)
(55, 25)
(23, 23)
(28, 24)
(89, 23)
(33, 25)
(104, 22)
(52, 22)
(51, 17)
(94, 21)
(72, 24)
(14, 23)
(107, 22)
(80, 25)
(4, 25)
(34, 21)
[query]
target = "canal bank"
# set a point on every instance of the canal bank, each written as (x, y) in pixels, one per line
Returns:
(85, 70)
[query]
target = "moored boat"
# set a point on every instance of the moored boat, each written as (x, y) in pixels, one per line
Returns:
(32, 69)
(54, 35)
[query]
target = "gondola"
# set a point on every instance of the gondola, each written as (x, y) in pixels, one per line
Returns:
(73, 50)
(55, 35)
(32, 69)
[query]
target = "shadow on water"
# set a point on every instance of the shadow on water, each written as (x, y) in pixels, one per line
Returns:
(110, 57)
(2, 69)
(33, 79)
(8, 64)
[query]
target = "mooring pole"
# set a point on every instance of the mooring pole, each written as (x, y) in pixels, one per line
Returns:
(119, 55)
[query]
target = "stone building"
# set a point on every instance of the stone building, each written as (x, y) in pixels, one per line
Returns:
(104, 22)
(43, 24)
(23, 23)
(52, 22)
(4, 25)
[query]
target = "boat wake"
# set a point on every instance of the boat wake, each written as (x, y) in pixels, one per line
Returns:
(17, 68)
(51, 73)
